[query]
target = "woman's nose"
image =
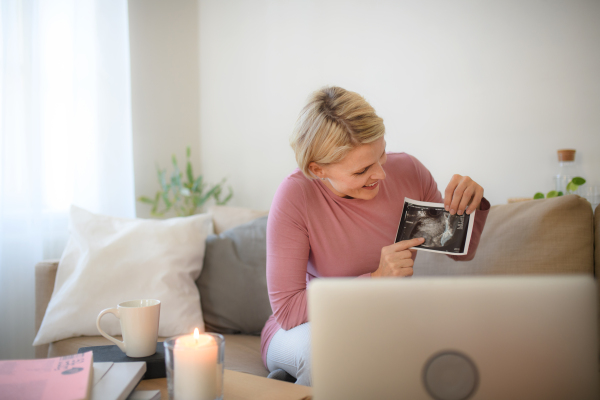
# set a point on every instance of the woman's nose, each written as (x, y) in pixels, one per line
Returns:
(378, 172)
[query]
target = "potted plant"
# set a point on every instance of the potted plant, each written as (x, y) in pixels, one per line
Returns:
(184, 196)
(572, 187)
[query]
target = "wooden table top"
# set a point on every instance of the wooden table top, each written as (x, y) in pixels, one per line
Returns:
(241, 386)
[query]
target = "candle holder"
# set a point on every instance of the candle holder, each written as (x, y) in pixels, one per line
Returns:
(194, 366)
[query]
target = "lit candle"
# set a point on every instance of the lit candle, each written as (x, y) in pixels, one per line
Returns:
(195, 367)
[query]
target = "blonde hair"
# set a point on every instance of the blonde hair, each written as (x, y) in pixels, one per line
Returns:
(333, 122)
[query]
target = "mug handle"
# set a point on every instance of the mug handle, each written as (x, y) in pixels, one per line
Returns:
(115, 312)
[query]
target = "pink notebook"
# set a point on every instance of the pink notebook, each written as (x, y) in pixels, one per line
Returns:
(61, 378)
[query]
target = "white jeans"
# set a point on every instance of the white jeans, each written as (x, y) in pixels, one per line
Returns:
(290, 351)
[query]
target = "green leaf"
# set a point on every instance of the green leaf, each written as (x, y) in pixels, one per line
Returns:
(176, 178)
(538, 195)
(551, 194)
(156, 200)
(176, 182)
(197, 185)
(196, 199)
(571, 187)
(560, 193)
(145, 199)
(190, 174)
(162, 180)
(208, 195)
(165, 197)
(188, 151)
(578, 181)
(224, 201)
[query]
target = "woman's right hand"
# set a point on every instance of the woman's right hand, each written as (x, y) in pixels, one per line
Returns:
(396, 259)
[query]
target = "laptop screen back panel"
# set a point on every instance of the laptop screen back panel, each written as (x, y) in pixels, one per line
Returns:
(526, 337)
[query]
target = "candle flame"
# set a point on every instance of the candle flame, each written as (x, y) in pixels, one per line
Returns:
(196, 334)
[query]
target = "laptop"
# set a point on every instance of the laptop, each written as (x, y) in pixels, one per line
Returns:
(454, 338)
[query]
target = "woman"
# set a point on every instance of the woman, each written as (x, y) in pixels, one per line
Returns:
(338, 213)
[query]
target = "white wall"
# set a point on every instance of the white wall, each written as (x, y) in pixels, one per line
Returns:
(488, 89)
(165, 109)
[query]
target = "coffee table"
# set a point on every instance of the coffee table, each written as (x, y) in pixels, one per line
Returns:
(241, 386)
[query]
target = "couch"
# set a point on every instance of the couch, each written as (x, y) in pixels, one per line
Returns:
(550, 236)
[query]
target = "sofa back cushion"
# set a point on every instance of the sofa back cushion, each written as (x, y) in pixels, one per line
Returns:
(226, 217)
(233, 284)
(532, 237)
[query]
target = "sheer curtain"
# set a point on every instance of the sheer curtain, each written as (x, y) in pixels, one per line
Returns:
(65, 138)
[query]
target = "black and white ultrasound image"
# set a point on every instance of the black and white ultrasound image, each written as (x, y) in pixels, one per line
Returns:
(442, 231)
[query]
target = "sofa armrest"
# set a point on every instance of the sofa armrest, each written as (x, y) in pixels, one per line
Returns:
(45, 275)
(597, 241)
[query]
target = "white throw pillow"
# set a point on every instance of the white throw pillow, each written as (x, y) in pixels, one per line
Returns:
(109, 260)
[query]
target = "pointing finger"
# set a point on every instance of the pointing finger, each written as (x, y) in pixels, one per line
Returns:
(407, 244)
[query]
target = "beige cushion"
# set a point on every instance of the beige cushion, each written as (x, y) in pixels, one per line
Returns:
(533, 237)
(242, 352)
(225, 217)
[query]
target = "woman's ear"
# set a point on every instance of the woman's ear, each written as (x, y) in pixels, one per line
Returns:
(316, 170)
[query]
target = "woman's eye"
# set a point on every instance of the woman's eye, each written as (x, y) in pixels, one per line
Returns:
(362, 172)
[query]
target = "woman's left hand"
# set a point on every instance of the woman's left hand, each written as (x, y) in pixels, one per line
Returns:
(462, 193)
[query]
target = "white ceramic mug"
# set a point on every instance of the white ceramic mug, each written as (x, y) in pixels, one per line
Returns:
(139, 326)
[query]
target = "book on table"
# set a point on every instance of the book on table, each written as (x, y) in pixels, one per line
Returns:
(60, 378)
(74, 377)
(144, 395)
(116, 381)
(155, 364)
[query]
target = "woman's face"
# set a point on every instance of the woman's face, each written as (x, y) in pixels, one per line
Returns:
(358, 174)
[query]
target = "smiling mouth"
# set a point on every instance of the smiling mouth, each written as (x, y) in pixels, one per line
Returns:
(371, 186)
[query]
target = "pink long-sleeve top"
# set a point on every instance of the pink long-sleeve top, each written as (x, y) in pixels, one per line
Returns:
(311, 232)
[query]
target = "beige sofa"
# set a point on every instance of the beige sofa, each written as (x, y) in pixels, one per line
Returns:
(552, 236)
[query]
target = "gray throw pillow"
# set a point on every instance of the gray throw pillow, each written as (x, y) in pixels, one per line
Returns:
(233, 282)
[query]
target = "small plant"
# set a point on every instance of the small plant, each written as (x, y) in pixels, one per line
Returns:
(572, 187)
(185, 198)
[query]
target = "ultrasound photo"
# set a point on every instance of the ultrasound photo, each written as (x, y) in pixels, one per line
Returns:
(443, 233)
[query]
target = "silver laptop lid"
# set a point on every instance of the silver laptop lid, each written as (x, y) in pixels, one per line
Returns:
(454, 338)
